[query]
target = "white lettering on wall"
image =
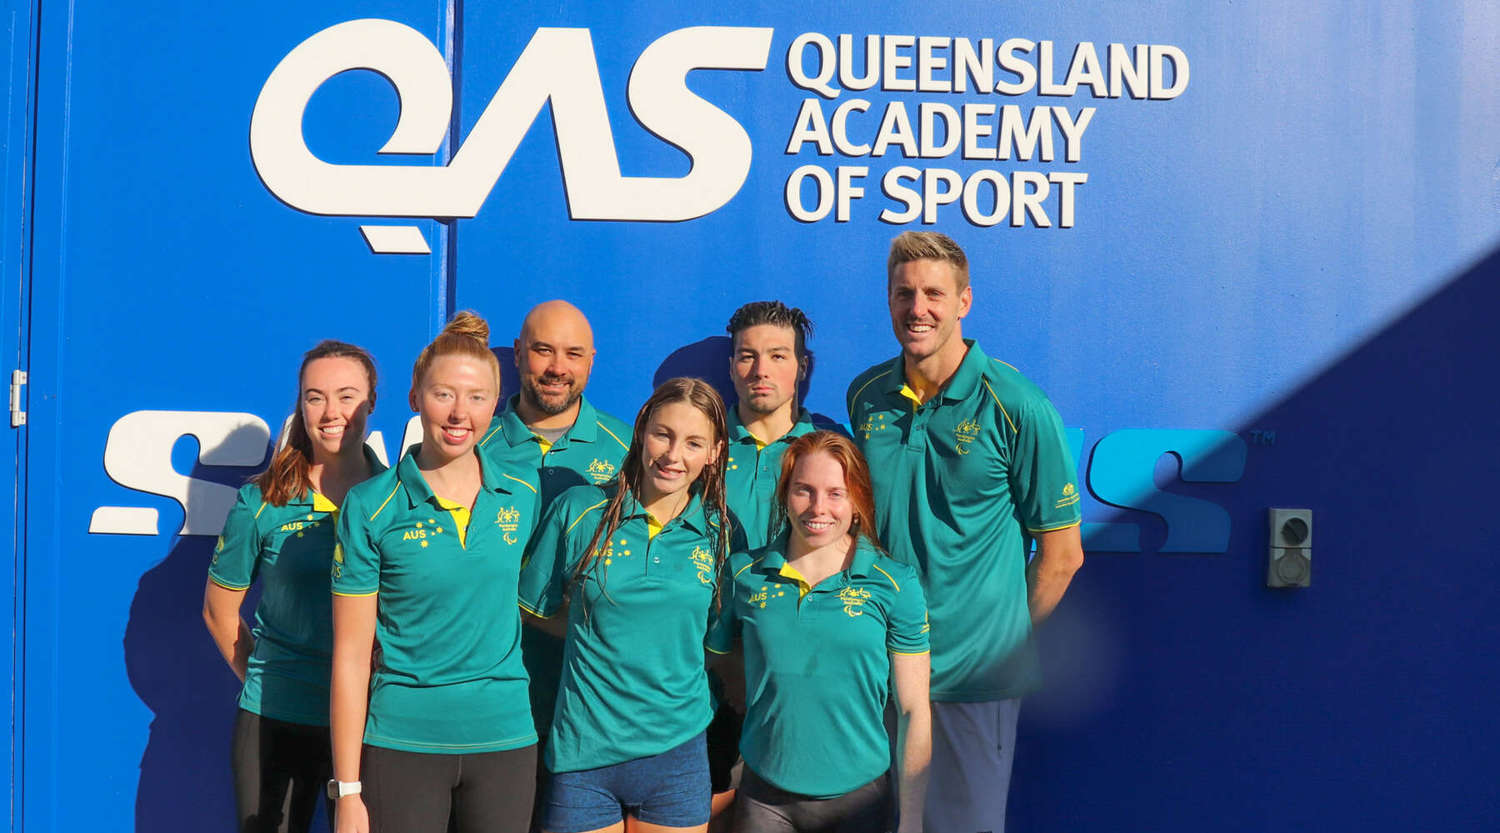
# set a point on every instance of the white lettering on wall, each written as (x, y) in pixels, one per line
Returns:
(138, 455)
(557, 66)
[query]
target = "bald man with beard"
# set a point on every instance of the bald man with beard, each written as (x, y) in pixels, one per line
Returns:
(549, 424)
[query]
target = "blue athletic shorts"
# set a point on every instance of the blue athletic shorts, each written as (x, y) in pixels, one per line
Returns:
(671, 789)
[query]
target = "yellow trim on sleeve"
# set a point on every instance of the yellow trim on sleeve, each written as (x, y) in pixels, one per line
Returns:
(1006, 363)
(522, 482)
(528, 608)
(262, 508)
(622, 443)
(583, 515)
(228, 586)
(911, 653)
(720, 653)
(1003, 412)
(861, 390)
(747, 566)
(888, 577)
(357, 595)
(386, 501)
(1067, 525)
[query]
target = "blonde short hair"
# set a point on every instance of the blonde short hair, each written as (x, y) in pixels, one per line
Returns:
(928, 245)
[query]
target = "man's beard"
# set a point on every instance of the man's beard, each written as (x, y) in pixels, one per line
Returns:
(534, 397)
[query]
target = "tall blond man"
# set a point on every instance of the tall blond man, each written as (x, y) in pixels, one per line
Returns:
(970, 465)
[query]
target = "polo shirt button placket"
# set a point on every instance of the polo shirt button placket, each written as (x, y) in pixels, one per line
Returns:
(917, 442)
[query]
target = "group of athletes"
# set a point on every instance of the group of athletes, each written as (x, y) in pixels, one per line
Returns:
(727, 609)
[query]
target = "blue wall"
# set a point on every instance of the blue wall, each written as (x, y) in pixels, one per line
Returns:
(1277, 290)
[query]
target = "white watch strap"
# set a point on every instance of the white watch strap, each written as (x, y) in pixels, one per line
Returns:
(343, 788)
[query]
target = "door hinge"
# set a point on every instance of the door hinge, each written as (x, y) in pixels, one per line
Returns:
(17, 413)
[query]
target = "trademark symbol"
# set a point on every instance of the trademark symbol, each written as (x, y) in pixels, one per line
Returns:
(1263, 438)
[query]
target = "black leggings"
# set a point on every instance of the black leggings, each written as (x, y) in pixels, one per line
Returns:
(280, 769)
(417, 792)
(763, 808)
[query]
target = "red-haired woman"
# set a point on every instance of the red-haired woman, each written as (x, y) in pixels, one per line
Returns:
(826, 619)
(640, 559)
(429, 554)
(281, 533)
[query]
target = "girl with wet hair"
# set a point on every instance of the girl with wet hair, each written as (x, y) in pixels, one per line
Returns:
(636, 565)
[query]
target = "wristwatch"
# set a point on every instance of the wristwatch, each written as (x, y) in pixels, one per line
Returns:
(338, 789)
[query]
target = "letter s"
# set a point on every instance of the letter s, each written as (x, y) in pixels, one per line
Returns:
(717, 144)
(1121, 474)
(138, 455)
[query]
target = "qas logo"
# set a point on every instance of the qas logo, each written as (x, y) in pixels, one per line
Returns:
(557, 67)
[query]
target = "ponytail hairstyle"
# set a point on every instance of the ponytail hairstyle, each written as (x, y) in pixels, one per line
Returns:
(467, 335)
(856, 481)
(701, 395)
(287, 476)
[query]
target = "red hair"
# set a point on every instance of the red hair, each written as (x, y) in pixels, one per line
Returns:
(856, 479)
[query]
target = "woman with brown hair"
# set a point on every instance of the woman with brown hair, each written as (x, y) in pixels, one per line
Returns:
(281, 533)
(636, 564)
(826, 620)
(429, 552)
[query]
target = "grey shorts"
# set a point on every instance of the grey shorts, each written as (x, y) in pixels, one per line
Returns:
(973, 745)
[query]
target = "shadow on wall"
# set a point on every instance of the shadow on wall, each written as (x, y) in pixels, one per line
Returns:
(510, 379)
(707, 360)
(173, 666)
(1185, 695)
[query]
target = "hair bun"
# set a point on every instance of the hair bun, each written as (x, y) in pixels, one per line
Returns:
(470, 324)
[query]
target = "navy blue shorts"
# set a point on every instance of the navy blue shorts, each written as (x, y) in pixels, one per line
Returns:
(671, 789)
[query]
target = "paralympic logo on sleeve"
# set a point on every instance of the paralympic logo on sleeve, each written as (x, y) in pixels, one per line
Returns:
(558, 66)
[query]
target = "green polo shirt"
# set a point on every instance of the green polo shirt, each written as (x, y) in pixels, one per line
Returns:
(750, 475)
(450, 678)
(589, 452)
(961, 483)
(288, 549)
(633, 683)
(818, 667)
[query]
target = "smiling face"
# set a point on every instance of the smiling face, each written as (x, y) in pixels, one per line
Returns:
(678, 442)
(335, 403)
(926, 305)
(456, 402)
(554, 356)
(818, 507)
(765, 368)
